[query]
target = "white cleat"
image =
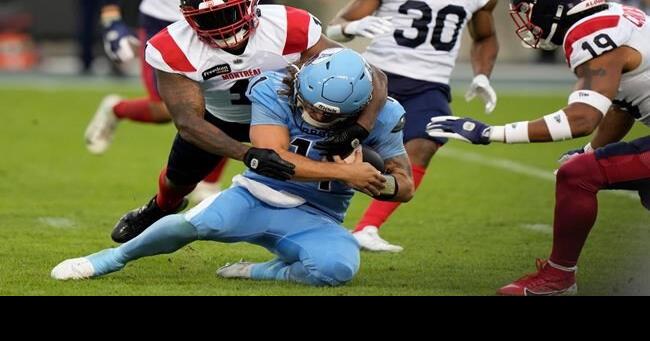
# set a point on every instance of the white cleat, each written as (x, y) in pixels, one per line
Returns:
(204, 190)
(75, 268)
(369, 240)
(240, 269)
(100, 130)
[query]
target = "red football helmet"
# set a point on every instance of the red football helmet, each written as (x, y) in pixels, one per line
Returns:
(224, 24)
(543, 24)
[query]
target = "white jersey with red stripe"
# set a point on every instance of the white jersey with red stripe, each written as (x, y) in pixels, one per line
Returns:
(606, 30)
(281, 36)
(166, 10)
(426, 39)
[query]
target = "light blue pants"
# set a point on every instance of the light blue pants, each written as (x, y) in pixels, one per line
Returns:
(310, 248)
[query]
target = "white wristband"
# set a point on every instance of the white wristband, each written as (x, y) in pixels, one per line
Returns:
(510, 133)
(335, 32)
(592, 98)
(558, 126)
(498, 134)
(517, 132)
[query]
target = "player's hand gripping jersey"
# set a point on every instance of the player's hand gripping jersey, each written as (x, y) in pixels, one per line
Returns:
(607, 30)
(282, 34)
(328, 197)
(426, 39)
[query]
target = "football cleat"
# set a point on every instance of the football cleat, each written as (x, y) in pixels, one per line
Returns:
(204, 190)
(76, 268)
(240, 269)
(369, 240)
(134, 222)
(549, 280)
(101, 129)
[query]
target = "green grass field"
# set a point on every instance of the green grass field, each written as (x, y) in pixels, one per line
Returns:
(480, 219)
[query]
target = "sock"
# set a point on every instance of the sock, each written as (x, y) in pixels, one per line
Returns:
(576, 207)
(169, 197)
(164, 236)
(215, 175)
(135, 110)
(379, 211)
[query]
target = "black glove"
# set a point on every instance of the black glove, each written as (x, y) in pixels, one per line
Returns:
(268, 163)
(343, 142)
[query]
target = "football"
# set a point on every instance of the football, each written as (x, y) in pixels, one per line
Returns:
(373, 158)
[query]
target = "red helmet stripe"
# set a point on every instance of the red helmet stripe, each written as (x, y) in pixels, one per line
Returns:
(586, 28)
(171, 53)
(297, 30)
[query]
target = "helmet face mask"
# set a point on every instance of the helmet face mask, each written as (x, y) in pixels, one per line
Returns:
(224, 24)
(542, 24)
(530, 34)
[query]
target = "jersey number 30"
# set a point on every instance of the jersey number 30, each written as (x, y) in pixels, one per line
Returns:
(422, 25)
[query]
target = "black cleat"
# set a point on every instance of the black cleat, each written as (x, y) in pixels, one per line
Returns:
(136, 221)
(644, 194)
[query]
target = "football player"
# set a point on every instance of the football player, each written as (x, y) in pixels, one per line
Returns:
(203, 66)
(416, 43)
(298, 220)
(121, 45)
(607, 46)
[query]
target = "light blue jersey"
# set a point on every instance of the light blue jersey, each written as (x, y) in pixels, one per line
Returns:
(329, 197)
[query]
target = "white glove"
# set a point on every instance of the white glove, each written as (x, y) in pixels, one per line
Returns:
(573, 153)
(481, 86)
(119, 42)
(369, 27)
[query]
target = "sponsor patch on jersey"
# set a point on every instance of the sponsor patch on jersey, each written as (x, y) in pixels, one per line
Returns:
(215, 71)
(241, 74)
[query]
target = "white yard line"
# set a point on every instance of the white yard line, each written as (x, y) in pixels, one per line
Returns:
(514, 167)
(58, 222)
(544, 228)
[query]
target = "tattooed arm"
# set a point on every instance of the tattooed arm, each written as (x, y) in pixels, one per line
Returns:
(186, 104)
(602, 75)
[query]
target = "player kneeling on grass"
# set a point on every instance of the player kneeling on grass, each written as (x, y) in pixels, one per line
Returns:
(298, 220)
(608, 47)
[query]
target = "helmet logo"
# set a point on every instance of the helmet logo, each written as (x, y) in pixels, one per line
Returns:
(327, 108)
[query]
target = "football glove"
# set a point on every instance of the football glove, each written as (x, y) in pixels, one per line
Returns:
(369, 27)
(119, 42)
(464, 129)
(573, 153)
(268, 163)
(481, 86)
(343, 142)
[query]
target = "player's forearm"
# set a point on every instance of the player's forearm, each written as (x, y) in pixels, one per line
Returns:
(379, 94)
(211, 139)
(483, 55)
(400, 168)
(310, 170)
(186, 105)
(616, 124)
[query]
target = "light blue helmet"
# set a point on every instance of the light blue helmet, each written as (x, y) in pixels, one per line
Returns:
(338, 81)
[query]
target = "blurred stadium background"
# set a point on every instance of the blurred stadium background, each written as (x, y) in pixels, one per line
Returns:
(478, 222)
